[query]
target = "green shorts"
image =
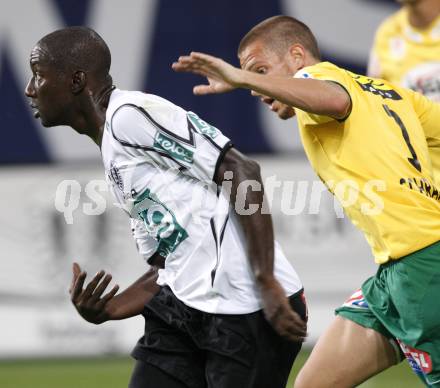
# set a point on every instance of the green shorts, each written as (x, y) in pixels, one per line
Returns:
(402, 302)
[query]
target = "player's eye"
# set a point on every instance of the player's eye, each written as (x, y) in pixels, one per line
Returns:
(261, 70)
(37, 76)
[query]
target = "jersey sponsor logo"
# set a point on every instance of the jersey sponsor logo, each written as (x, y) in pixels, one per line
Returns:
(418, 359)
(356, 300)
(161, 223)
(202, 126)
(424, 79)
(172, 148)
(375, 86)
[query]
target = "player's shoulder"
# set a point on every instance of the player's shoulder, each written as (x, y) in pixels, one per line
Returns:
(309, 71)
(322, 71)
(142, 102)
(135, 115)
(392, 25)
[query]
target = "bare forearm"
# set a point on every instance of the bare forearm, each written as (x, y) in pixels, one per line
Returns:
(310, 95)
(257, 227)
(258, 231)
(131, 301)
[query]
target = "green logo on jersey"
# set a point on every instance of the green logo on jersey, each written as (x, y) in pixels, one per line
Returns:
(202, 126)
(172, 148)
(161, 224)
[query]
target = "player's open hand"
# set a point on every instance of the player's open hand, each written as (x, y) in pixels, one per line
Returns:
(90, 301)
(222, 76)
(280, 314)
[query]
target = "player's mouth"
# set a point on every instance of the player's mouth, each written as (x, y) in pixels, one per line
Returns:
(35, 111)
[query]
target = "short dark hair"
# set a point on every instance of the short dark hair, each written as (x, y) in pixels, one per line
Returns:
(279, 33)
(78, 48)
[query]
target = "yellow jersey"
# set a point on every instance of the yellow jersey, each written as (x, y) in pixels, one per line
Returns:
(376, 161)
(407, 56)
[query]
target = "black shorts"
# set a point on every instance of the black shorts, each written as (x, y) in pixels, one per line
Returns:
(215, 350)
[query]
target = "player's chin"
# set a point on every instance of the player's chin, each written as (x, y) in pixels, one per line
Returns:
(45, 123)
(48, 122)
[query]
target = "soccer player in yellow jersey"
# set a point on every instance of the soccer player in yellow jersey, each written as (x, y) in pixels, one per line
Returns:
(365, 133)
(406, 52)
(406, 49)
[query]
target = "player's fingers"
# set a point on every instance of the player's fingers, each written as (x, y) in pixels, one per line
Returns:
(92, 285)
(200, 90)
(78, 286)
(296, 326)
(293, 333)
(101, 287)
(184, 58)
(187, 67)
(108, 296)
(202, 57)
(187, 61)
(296, 331)
(294, 337)
(288, 323)
(203, 68)
(285, 333)
(76, 270)
(177, 66)
(294, 319)
(190, 61)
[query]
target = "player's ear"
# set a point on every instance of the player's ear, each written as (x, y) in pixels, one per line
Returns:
(296, 55)
(79, 81)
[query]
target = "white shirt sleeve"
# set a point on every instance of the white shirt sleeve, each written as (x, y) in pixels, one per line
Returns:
(171, 137)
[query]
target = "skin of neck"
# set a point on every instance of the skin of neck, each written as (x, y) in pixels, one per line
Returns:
(88, 116)
(422, 13)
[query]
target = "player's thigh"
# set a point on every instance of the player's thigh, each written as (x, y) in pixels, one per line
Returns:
(254, 355)
(346, 355)
(149, 376)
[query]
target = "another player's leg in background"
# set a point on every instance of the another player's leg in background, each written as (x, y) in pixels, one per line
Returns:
(346, 355)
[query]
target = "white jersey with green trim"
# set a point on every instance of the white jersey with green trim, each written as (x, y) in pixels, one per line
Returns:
(160, 161)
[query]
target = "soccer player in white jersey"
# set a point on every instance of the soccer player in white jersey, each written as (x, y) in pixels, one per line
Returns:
(225, 309)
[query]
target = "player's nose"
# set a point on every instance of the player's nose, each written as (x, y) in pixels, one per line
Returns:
(29, 91)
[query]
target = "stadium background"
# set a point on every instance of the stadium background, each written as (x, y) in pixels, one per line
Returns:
(37, 245)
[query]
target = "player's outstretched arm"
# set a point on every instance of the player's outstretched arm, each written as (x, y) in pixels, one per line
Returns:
(311, 95)
(258, 231)
(95, 307)
(222, 77)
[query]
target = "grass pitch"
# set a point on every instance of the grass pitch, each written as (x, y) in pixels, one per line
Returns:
(115, 373)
